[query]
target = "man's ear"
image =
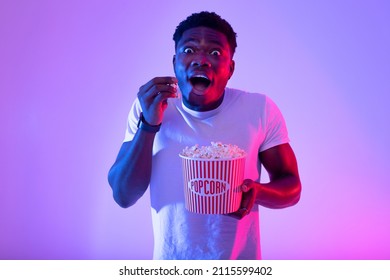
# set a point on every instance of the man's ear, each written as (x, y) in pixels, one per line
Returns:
(232, 65)
(174, 63)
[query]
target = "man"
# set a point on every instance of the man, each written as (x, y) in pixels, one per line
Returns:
(164, 120)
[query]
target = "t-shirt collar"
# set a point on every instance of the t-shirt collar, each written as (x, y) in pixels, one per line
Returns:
(204, 114)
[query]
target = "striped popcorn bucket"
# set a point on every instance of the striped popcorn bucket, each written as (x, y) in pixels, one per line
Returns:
(212, 186)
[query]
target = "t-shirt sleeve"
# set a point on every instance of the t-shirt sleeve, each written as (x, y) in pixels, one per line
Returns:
(132, 121)
(275, 126)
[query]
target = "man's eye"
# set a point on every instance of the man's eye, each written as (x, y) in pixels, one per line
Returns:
(188, 50)
(215, 52)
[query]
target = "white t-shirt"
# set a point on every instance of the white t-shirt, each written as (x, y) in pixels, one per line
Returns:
(249, 120)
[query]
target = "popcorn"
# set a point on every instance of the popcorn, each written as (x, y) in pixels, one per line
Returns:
(216, 150)
(174, 85)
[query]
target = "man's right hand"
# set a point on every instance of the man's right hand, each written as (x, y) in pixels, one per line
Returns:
(153, 98)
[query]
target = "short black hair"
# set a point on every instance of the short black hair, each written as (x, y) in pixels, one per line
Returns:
(207, 19)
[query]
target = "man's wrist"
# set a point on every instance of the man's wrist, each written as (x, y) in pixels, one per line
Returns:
(144, 125)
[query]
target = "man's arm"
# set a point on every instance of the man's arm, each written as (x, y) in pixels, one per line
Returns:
(284, 188)
(129, 176)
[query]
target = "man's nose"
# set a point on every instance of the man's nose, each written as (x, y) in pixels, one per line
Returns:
(201, 60)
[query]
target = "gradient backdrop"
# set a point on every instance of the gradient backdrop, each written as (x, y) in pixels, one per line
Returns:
(70, 69)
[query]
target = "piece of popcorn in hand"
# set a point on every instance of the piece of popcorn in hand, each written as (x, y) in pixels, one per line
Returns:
(174, 85)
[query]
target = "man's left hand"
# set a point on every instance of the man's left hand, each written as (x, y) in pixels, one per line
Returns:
(249, 192)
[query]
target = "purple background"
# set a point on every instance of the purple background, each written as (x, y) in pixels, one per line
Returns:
(69, 71)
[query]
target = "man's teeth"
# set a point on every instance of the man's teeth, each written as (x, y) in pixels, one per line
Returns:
(201, 76)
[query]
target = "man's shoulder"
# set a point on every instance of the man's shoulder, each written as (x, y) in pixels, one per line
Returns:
(235, 93)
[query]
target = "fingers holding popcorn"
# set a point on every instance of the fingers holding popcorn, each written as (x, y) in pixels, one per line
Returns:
(153, 97)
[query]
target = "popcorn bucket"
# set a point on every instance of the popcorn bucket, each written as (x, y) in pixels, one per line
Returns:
(212, 186)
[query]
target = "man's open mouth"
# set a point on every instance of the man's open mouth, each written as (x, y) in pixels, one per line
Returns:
(200, 82)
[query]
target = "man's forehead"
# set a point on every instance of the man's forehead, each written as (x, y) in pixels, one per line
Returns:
(197, 34)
